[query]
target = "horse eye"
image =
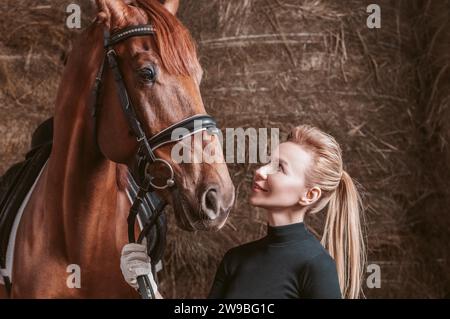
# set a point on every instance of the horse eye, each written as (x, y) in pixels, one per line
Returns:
(148, 74)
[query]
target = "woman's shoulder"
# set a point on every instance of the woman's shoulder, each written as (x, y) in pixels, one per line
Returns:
(244, 249)
(316, 259)
(321, 257)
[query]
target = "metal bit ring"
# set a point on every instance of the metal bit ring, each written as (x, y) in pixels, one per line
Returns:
(170, 181)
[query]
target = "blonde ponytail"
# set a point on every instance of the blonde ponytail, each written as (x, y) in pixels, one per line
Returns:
(342, 236)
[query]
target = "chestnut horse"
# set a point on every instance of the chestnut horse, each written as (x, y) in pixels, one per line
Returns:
(77, 213)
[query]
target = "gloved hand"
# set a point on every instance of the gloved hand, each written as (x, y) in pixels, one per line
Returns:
(135, 262)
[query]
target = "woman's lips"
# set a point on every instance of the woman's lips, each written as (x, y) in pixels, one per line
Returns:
(257, 188)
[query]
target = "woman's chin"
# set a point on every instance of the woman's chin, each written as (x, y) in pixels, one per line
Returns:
(254, 201)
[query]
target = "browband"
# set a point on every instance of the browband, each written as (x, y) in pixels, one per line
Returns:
(128, 32)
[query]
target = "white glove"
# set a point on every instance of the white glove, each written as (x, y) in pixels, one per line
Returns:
(135, 262)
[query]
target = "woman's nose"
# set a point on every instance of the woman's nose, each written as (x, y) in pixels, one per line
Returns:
(261, 173)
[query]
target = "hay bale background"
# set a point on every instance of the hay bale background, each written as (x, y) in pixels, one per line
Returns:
(434, 98)
(33, 45)
(278, 64)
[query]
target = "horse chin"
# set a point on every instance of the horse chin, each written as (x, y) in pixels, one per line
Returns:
(198, 225)
(183, 223)
(183, 219)
(188, 222)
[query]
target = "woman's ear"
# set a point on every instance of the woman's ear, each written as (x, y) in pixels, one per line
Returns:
(311, 196)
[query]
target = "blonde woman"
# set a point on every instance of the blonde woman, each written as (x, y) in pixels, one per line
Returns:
(289, 262)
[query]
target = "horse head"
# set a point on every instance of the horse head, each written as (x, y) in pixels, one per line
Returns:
(162, 75)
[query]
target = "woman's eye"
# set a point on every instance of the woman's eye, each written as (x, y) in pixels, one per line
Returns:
(148, 74)
(280, 168)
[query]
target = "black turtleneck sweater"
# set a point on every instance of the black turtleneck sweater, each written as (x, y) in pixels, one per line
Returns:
(288, 263)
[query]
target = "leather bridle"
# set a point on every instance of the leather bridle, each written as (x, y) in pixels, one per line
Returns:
(145, 156)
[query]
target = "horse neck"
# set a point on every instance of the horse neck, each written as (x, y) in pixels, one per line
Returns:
(81, 182)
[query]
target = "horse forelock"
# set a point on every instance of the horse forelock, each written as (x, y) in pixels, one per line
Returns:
(176, 47)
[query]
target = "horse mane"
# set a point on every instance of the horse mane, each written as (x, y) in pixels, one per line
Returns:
(176, 47)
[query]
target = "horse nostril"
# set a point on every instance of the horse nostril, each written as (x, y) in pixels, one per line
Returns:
(210, 203)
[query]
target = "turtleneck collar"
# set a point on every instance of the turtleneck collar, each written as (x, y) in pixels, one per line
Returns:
(287, 233)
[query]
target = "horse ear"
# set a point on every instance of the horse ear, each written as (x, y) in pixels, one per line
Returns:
(172, 6)
(111, 11)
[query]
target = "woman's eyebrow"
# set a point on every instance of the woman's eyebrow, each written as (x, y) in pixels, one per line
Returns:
(279, 160)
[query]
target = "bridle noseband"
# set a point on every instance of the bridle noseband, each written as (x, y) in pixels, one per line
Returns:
(145, 156)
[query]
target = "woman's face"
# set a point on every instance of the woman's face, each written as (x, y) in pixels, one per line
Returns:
(281, 183)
